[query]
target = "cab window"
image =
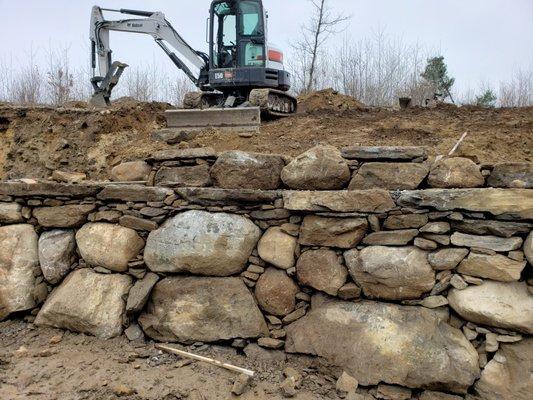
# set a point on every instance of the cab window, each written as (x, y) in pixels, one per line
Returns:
(251, 21)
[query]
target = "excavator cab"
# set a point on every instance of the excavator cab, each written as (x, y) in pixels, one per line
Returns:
(239, 53)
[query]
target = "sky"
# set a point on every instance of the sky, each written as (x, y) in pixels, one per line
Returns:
(482, 40)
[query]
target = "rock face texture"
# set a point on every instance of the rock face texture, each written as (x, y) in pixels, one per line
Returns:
(391, 273)
(516, 202)
(343, 233)
(56, 254)
(374, 201)
(132, 171)
(18, 258)
(190, 309)
(502, 305)
(494, 243)
(510, 380)
(193, 176)
(528, 248)
(378, 342)
(512, 175)
(108, 246)
(239, 169)
(10, 213)
(455, 172)
(391, 176)
(275, 292)
(69, 216)
(496, 267)
(447, 259)
(202, 243)
(320, 168)
(321, 270)
(277, 248)
(391, 238)
(87, 302)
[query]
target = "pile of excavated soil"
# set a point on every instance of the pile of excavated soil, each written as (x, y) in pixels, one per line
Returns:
(327, 100)
(36, 141)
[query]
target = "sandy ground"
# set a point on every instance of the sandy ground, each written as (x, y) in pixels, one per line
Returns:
(50, 364)
(35, 141)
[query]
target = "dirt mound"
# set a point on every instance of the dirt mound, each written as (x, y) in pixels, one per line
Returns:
(327, 100)
(35, 141)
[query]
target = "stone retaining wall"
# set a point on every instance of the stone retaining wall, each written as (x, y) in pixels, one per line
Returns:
(426, 289)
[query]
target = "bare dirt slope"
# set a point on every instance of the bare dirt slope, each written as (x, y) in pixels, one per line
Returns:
(35, 141)
(49, 364)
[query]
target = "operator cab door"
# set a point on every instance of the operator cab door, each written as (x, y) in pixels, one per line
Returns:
(251, 30)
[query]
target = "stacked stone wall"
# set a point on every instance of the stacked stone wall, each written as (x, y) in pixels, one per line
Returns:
(397, 270)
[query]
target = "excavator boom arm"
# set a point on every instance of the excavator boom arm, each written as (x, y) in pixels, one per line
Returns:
(192, 62)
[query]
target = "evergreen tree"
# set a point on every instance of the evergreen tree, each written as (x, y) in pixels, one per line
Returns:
(487, 99)
(436, 73)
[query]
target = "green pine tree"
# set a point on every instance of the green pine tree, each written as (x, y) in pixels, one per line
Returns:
(436, 73)
(487, 99)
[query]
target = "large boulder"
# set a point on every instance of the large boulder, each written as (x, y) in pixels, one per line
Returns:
(320, 168)
(57, 253)
(87, 302)
(10, 213)
(391, 176)
(496, 267)
(380, 342)
(510, 379)
(344, 233)
(275, 292)
(193, 309)
(18, 259)
(455, 172)
(512, 175)
(277, 248)
(202, 243)
(502, 305)
(108, 246)
(132, 171)
(242, 170)
(391, 273)
(69, 216)
(321, 270)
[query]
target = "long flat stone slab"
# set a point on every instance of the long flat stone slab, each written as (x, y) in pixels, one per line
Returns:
(134, 193)
(384, 153)
(183, 154)
(513, 202)
(367, 201)
(214, 196)
(28, 188)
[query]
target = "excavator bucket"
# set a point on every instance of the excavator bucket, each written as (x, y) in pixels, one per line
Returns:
(246, 119)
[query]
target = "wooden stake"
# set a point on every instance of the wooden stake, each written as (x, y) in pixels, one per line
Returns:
(211, 361)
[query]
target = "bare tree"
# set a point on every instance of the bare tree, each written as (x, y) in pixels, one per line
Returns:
(518, 92)
(315, 33)
(59, 77)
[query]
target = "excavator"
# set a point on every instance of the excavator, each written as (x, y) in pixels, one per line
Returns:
(241, 72)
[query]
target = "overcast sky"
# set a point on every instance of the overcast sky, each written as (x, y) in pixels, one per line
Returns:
(482, 40)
